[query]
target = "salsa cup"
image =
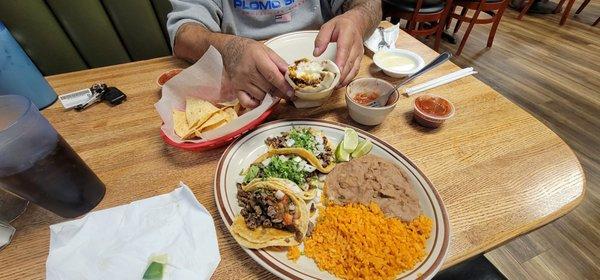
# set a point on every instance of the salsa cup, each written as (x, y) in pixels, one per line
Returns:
(429, 118)
(370, 115)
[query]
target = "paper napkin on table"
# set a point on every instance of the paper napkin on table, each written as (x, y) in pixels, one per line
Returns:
(391, 35)
(117, 243)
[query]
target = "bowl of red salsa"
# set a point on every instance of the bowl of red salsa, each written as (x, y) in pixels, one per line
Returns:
(361, 92)
(432, 110)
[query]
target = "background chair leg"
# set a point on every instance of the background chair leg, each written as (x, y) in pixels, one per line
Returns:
(449, 17)
(566, 12)
(438, 36)
(559, 6)
(459, 21)
(596, 22)
(497, 19)
(466, 36)
(525, 9)
(582, 6)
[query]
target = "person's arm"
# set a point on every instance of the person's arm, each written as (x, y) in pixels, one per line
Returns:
(253, 69)
(359, 20)
(368, 13)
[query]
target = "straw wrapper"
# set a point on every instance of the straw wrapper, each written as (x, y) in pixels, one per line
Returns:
(203, 80)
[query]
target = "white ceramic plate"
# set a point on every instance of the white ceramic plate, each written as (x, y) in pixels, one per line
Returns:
(296, 45)
(245, 150)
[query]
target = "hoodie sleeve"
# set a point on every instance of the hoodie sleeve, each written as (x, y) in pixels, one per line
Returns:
(208, 13)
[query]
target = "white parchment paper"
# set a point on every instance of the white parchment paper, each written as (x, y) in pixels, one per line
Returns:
(204, 80)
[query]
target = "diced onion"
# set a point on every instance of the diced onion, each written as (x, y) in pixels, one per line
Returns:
(289, 142)
(309, 168)
(279, 194)
(283, 158)
(292, 207)
(322, 177)
(266, 161)
(297, 159)
(319, 140)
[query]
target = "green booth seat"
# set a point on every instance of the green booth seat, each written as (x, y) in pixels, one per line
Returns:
(65, 35)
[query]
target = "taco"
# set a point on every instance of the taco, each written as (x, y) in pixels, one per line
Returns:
(271, 215)
(299, 174)
(308, 143)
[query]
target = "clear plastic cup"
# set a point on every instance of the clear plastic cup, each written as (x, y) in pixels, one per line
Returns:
(38, 165)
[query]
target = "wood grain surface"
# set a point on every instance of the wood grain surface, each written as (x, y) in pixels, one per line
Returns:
(552, 72)
(500, 171)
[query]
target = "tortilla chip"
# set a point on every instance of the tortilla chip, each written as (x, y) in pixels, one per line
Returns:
(197, 111)
(230, 103)
(180, 125)
(231, 114)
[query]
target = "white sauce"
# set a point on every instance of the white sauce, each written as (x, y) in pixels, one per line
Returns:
(397, 62)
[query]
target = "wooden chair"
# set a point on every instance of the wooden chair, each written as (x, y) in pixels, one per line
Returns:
(424, 17)
(493, 8)
(565, 14)
(583, 5)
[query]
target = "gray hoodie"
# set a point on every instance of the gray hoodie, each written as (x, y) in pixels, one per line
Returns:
(256, 19)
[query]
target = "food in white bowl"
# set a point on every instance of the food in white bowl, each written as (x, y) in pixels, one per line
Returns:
(363, 90)
(398, 63)
(313, 81)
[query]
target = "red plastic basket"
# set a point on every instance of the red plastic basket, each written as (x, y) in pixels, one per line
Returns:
(223, 140)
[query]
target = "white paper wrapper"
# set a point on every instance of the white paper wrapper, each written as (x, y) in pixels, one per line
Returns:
(118, 242)
(203, 80)
(391, 35)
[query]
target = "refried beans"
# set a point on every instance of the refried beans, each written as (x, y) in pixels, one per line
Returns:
(372, 179)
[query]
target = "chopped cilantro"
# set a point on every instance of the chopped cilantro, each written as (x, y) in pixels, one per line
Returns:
(303, 138)
(285, 169)
(251, 173)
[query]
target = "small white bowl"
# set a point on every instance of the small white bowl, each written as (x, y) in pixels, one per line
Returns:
(369, 115)
(382, 60)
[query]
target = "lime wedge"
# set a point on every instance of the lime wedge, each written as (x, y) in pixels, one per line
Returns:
(154, 271)
(350, 140)
(363, 148)
(340, 153)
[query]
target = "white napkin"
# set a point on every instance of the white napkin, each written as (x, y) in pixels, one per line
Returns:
(117, 243)
(390, 34)
(203, 80)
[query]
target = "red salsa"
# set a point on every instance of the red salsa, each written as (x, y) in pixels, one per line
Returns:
(364, 98)
(165, 77)
(433, 105)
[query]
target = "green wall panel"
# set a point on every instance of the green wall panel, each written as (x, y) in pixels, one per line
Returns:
(138, 28)
(162, 8)
(35, 28)
(90, 30)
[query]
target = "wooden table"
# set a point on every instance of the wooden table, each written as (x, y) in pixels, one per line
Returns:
(500, 172)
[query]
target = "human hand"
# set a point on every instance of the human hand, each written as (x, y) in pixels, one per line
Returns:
(343, 30)
(254, 70)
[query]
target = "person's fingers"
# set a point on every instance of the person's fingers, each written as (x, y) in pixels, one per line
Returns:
(255, 92)
(279, 62)
(345, 43)
(350, 64)
(271, 74)
(323, 38)
(246, 100)
(352, 73)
